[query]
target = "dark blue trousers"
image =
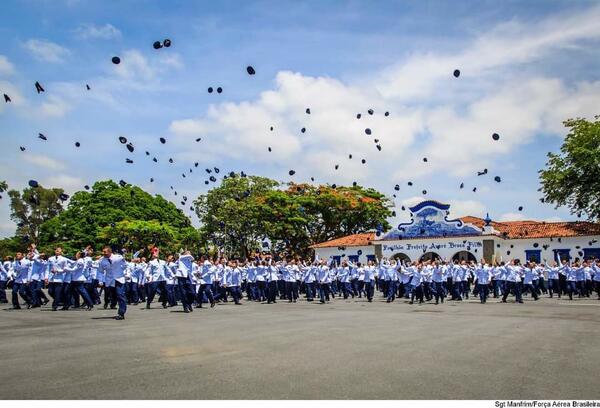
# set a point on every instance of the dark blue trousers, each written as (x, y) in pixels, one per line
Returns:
(236, 293)
(369, 290)
(3, 298)
(310, 291)
(57, 291)
(272, 291)
(516, 286)
(19, 289)
(391, 293)
(152, 288)
(79, 287)
(324, 291)
(483, 290)
(35, 288)
(187, 292)
(121, 298)
(440, 291)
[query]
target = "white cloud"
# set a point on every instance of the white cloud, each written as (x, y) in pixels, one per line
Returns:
(54, 106)
(68, 183)
(553, 219)
(44, 161)
(46, 51)
(511, 43)
(6, 67)
(512, 217)
(13, 92)
(453, 129)
(105, 32)
(462, 208)
(135, 65)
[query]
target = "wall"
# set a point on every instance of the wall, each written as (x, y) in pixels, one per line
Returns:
(447, 247)
(325, 253)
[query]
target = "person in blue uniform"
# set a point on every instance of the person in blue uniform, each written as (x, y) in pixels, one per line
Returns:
(21, 278)
(114, 266)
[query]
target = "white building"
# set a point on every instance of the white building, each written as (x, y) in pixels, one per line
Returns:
(431, 234)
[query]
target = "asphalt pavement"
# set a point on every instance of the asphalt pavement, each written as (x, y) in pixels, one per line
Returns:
(342, 350)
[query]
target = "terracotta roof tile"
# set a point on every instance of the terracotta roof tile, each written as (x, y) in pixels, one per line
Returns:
(362, 239)
(508, 229)
(539, 229)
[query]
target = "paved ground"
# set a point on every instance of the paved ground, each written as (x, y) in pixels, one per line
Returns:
(347, 349)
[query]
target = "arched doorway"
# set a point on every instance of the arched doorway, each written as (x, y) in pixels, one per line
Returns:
(464, 256)
(402, 257)
(429, 256)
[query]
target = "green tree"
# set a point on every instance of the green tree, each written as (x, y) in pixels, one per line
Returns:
(304, 214)
(230, 213)
(243, 211)
(9, 246)
(3, 186)
(32, 207)
(572, 177)
(91, 215)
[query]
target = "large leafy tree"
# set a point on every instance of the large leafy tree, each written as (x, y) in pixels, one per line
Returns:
(142, 235)
(32, 207)
(243, 211)
(118, 215)
(572, 177)
(304, 214)
(231, 213)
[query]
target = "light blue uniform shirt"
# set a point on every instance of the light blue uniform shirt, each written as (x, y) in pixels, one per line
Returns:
(21, 270)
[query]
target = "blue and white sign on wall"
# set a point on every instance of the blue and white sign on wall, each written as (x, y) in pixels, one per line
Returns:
(430, 219)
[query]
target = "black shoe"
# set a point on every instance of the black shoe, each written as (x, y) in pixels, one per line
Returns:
(212, 304)
(410, 303)
(113, 307)
(89, 308)
(35, 306)
(321, 301)
(64, 308)
(106, 306)
(237, 303)
(164, 306)
(186, 311)
(15, 308)
(54, 309)
(45, 302)
(119, 317)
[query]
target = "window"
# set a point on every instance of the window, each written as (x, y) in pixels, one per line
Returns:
(353, 258)
(533, 255)
(591, 253)
(337, 259)
(370, 258)
(560, 254)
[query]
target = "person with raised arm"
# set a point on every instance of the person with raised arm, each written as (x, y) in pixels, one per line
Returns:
(114, 266)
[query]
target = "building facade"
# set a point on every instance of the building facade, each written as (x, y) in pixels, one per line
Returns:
(431, 234)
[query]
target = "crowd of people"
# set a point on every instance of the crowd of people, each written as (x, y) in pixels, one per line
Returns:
(116, 280)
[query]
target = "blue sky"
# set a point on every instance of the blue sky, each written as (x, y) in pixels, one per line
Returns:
(526, 66)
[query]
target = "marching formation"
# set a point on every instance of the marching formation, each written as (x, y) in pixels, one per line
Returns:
(116, 280)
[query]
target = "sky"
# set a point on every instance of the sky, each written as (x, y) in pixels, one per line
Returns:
(525, 67)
